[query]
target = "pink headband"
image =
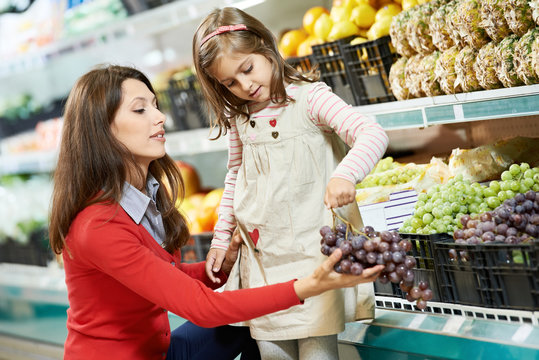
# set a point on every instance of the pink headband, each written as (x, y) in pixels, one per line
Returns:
(223, 29)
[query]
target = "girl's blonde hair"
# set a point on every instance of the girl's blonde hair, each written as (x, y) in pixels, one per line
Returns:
(257, 39)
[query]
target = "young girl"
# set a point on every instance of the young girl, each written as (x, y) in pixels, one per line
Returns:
(286, 160)
(114, 220)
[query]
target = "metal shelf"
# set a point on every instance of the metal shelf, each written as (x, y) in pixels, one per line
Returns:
(458, 108)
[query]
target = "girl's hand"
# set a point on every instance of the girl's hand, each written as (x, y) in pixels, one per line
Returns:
(324, 278)
(214, 260)
(339, 192)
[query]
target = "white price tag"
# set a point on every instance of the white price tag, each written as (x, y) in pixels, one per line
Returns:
(458, 111)
(522, 333)
(453, 324)
(417, 321)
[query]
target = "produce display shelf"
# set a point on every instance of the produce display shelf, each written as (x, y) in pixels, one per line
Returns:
(463, 107)
(149, 22)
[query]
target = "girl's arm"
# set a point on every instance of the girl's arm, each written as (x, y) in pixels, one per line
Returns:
(226, 221)
(366, 138)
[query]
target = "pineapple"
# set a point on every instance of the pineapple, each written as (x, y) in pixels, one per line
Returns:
(418, 30)
(535, 55)
(441, 35)
(534, 5)
(445, 71)
(485, 67)
(464, 69)
(452, 21)
(518, 15)
(399, 38)
(412, 76)
(523, 57)
(397, 79)
(493, 19)
(429, 84)
(468, 25)
(505, 68)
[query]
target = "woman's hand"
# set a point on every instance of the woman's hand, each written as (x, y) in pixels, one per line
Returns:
(324, 278)
(339, 192)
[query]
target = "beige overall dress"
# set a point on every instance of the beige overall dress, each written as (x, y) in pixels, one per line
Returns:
(279, 207)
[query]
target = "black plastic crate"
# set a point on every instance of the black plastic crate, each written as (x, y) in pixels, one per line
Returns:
(463, 276)
(197, 247)
(332, 68)
(367, 66)
(423, 252)
(185, 103)
(513, 272)
(303, 64)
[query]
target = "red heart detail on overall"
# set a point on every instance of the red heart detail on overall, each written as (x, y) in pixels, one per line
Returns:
(273, 122)
(254, 235)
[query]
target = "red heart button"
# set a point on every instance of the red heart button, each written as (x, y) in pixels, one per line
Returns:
(254, 236)
(273, 122)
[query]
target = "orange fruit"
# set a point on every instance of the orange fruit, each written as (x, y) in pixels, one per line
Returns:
(305, 48)
(310, 17)
(290, 41)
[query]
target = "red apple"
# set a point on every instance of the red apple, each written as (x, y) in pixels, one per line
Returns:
(190, 177)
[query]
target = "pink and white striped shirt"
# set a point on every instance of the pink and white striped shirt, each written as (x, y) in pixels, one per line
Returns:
(366, 138)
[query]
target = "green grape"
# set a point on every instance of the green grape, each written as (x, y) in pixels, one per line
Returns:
(535, 187)
(510, 194)
(528, 174)
(514, 185)
(493, 202)
(502, 195)
(506, 176)
(447, 210)
(422, 197)
(437, 212)
(416, 223)
(523, 188)
(524, 166)
(428, 207)
(494, 185)
(505, 185)
(427, 218)
(441, 228)
(514, 169)
(473, 208)
(455, 206)
(420, 211)
(488, 192)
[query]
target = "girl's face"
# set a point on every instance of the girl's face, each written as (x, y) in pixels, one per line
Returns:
(248, 76)
(138, 123)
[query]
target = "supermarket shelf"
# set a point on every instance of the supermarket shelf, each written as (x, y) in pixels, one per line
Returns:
(402, 335)
(414, 113)
(149, 22)
(464, 107)
(178, 144)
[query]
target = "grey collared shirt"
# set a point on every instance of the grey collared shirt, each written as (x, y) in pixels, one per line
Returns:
(142, 208)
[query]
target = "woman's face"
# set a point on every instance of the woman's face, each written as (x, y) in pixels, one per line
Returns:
(248, 76)
(138, 123)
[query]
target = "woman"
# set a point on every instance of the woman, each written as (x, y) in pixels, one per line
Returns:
(114, 220)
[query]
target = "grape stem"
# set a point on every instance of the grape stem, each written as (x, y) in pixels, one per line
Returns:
(348, 225)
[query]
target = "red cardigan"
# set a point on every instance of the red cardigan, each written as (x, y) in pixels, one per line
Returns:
(120, 284)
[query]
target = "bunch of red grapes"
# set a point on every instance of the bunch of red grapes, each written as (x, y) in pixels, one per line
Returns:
(513, 222)
(366, 248)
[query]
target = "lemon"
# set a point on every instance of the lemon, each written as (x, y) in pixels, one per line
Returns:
(422, 1)
(310, 17)
(380, 28)
(389, 9)
(342, 29)
(363, 15)
(339, 13)
(408, 4)
(358, 40)
(322, 27)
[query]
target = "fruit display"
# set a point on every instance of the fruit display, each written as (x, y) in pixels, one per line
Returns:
(364, 248)
(397, 80)
(440, 208)
(429, 82)
(503, 31)
(515, 221)
(361, 19)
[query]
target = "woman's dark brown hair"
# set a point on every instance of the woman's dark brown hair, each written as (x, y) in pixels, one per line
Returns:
(257, 39)
(93, 165)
